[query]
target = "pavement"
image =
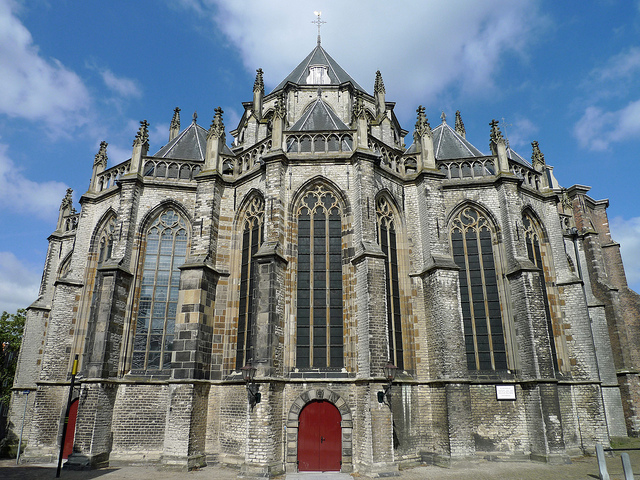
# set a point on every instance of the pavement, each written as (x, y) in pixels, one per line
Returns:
(581, 468)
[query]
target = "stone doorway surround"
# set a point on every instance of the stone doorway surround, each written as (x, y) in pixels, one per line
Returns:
(292, 427)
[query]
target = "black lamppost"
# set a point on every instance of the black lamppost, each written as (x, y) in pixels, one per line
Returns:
(253, 394)
(390, 374)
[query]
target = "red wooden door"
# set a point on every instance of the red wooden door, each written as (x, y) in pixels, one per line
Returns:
(319, 438)
(71, 429)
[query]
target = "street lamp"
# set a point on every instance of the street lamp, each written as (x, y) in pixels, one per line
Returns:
(253, 393)
(390, 373)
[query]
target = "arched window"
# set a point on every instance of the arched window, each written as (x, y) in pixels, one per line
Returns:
(538, 253)
(387, 239)
(165, 252)
(472, 239)
(252, 237)
(319, 292)
(105, 245)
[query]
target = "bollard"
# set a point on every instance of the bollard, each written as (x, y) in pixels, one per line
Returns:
(602, 464)
(626, 466)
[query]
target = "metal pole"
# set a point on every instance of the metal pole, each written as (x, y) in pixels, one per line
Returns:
(74, 370)
(24, 414)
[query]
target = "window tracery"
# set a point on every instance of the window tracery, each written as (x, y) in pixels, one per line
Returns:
(319, 287)
(252, 238)
(472, 244)
(105, 245)
(165, 252)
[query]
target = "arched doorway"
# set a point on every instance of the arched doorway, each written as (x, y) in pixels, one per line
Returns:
(319, 437)
(71, 429)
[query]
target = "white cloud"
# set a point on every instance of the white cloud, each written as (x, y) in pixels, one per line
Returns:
(435, 45)
(520, 134)
(598, 129)
(627, 233)
(19, 194)
(19, 284)
(619, 66)
(121, 85)
(33, 87)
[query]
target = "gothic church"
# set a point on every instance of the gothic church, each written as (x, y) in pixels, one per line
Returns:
(314, 295)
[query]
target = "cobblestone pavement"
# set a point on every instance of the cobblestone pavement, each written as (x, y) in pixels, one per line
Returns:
(583, 468)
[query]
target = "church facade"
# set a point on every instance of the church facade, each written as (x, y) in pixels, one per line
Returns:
(315, 295)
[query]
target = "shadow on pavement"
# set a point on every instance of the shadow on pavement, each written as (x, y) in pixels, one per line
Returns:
(33, 472)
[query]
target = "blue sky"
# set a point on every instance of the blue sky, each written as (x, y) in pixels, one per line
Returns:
(566, 74)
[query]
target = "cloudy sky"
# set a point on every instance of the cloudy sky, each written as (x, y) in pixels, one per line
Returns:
(74, 73)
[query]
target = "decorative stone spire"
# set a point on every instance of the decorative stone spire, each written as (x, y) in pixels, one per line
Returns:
(140, 147)
(537, 157)
(360, 119)
(99, 164)
(215, 141)
(498, 146)
(379, 93)
(423, 139)
(66, 209)
(443, 117)
(258, 94)
(460, 126)
(174, 128)
(277, 126)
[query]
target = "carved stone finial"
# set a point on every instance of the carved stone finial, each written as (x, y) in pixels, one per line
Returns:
(459, 125)
(281, 107)
(358, 107)
(217, 125)
(496, 134)
(67, 201)
(258, 85)
(142, 136)
(422, 123)
(175, 121)
(195, 117)
(101, 157)
(537, 157)
(443, 117)
(379, 85)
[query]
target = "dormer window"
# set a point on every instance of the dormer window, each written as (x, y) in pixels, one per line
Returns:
(318, 75)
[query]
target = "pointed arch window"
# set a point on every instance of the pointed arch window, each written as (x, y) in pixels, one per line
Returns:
(472, 244)
(252, 238)
(165, 252)
(387, 238)
(319, 291)
(538, 253)
(105, 245)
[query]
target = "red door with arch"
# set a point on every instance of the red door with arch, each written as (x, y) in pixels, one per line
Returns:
(319, 438)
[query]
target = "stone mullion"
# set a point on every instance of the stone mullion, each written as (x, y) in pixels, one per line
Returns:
(125, 234)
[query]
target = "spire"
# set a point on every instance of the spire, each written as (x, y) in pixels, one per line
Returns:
(101, 157)
(460, 126)
(215, 142)
(258, 85)
(140, 147)
(174, 128)
(379, 94)
(277, 125)
(318, 22)
(66, 209)
(537, 157)
(422, 124)
(195, 117)
(498, 146)
(443, 117)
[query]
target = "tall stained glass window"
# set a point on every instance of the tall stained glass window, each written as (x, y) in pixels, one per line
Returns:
(536, 250)
(472, 241)
(252, 237)
(387, 235)
(165, 252)
(319, 292)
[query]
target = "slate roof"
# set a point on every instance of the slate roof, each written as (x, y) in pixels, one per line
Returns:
(319, 116)
(189, 144)
(318, 56)
(513, 155)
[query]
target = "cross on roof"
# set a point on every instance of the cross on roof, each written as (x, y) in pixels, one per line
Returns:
(318, 22)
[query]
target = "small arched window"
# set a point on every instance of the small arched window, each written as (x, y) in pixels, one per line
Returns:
(105, 245)
(166, 249)
(472, 243)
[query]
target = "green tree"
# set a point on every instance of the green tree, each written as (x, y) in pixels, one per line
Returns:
(11, 328)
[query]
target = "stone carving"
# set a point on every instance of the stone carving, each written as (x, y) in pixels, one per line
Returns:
(142, 137)
(422, 124)
(379, 85)
(537, 157)
(217, 125)
(460, 130)
(258, 85)
(101, 157)
(175, 121)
